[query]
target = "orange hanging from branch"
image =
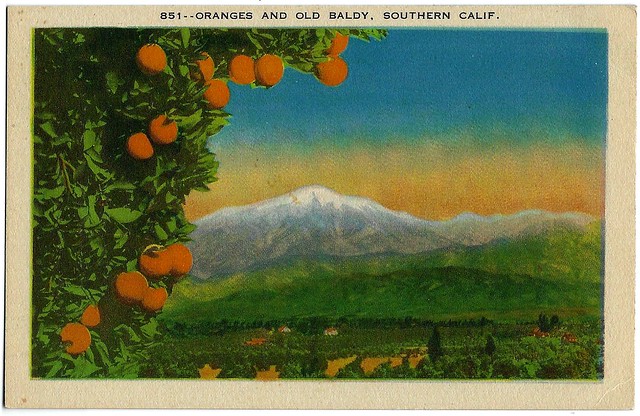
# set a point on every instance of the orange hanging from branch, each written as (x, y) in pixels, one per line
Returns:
(151, 59)
(269, 70)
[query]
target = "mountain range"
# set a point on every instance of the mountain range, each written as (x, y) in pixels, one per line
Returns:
(316, 253)
(314, 223)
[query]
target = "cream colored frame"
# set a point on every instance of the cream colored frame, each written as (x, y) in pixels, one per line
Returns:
(614, 392)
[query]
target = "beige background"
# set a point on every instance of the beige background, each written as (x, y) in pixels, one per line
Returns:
(615, 391)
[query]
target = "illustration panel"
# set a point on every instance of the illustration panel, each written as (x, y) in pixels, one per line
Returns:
(318, 203)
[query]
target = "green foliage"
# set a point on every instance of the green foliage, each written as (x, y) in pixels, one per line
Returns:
(517, 355)
(314, 364)
(490, 346)
(545, 324)
(94, 207)
(434, 347)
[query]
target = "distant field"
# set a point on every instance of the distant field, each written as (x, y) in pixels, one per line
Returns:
(393, 353)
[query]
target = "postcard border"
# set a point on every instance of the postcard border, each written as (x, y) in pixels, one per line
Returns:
(614, 392)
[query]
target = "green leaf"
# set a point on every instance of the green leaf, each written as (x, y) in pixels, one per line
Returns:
(94, 154)
(187, 229)
(42, 337)
(145, 88)
(79, 38)
(92, 216)
(121, 238)
(127, 329)
(185, 34)
(89, 139)
(113, 82)
(75, 290)
(55, 369)
(123, 215)
(97, 245)
(83, 368)
(48, 128)
(132, 264)
(89, 356)
(96, 169)
(160, 232)
(168, 198)
(45, 193)
(120, 185)
(171, 225)
(254, 41)
(189, 122)
(103, 351)
(150, 329)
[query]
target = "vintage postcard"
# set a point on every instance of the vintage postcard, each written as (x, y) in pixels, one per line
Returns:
(320, 207)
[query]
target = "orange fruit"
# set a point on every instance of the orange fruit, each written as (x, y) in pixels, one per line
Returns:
(206, 67)
(338, 44)
(154, 298)
(78, 336)
(130, 286)
(155, 263)
(162, 130)
(139, 147)
(91, 316)
(241, 70)
(332, 72)
(151, 59)
(269, 70)
(181, 259)
(217, 93)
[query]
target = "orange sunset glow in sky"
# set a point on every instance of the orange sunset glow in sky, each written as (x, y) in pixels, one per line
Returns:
(429, 181)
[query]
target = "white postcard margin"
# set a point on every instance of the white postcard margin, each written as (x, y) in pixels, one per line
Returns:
(614, 392)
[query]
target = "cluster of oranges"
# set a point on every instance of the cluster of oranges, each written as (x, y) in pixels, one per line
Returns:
(266, 71)
(133, 288)
(77, 335)
(334, 70)
(269, 69)
(152, 60)
(161, 130)
(217, 93)
(155, 262)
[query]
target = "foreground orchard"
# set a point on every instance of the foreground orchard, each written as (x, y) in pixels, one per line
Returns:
(391, 351)
(121, 122)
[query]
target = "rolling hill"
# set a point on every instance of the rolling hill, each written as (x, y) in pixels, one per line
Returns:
(557, 272)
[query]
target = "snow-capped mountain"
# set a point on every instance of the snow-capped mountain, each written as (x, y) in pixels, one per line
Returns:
(314, 222)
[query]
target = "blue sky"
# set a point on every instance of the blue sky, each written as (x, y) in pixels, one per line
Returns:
(431, 122)
(523, 85)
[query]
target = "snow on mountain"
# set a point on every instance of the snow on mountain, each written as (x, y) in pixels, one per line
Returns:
(315, 221)
(471, 229)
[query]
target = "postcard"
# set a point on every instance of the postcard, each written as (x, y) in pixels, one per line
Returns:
(321, 207)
